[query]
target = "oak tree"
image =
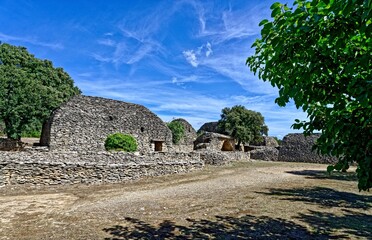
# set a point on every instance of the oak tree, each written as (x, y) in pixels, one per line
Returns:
(242, 124)
(30, 89)
(319, 54)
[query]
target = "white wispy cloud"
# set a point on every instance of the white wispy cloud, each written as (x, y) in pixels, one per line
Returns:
(107, 42)
(221, 25)
(191, 58)
(182, 80)
(209, 50)
(100, 58)
(30, 40)
(141, 52)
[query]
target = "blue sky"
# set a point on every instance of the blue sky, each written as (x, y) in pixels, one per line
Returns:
(178, 58)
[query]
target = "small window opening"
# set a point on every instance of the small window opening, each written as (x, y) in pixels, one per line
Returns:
(158, 146)
(142, 129)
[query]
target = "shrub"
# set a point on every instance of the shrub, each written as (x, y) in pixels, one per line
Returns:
(178, 131)
(121, 142)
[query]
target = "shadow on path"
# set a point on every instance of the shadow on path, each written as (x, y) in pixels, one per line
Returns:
(319, 174)
(344, 218)
(324, 197)
(354, 223)
(222, 227)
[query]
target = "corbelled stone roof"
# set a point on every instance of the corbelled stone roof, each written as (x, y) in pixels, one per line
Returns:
(84, 122)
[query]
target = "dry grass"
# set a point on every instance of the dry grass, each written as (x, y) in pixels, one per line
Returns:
(251, 200)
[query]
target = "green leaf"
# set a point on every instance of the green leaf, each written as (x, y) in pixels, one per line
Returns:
(276, 12)
(275, 5)
(263, 22)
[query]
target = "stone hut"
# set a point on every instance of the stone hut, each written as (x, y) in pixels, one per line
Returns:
(209, 127)
(186, 143)
(266, 150)
(267, 142)
(295, 147)
(214, 142)
(83, 124)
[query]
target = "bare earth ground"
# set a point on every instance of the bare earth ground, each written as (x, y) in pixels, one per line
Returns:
(250, 200)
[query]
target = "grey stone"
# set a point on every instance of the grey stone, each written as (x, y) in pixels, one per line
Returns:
(209, 127)
(295, 147)
(83, 124)
(265, 153)
(186, 143)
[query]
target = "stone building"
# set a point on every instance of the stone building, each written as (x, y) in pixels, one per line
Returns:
(209, 127)
(186, 143)
(267, 142)
(266, 150)
(295, 147)
(83, 124)
(214, 142)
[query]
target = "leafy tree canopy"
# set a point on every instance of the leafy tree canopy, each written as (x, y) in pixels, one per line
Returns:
(178, 131)
(319, 53)
(30, 89)
(121, 142)
(242, 124)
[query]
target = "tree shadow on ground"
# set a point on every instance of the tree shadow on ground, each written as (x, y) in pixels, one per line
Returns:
(346, 219)
(354, 223)
(324, 197)
(319, 174)
(222, 227)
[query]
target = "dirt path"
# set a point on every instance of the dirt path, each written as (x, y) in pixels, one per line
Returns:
(245, 200)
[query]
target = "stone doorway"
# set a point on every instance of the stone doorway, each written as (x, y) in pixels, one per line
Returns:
(227, 146)
(158, 146)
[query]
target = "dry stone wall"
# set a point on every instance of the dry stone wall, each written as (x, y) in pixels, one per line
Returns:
(83, 124)
(49, 168)
(296, 147)
(222, 158)
(265, 153)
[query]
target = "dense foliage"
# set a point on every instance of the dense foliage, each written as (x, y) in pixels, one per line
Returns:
(319, 53)
(30, 89)
(244, 125)
(121, 142)
(178, 131)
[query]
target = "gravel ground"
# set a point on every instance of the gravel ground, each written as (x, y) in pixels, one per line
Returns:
(250, 200)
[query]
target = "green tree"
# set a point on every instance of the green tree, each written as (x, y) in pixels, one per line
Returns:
(244, 125)
(30, 89)
(178, 131)
(121, 142)
(319, 53)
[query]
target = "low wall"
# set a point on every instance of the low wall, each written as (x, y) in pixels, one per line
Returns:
(51, 168)
(222, 158)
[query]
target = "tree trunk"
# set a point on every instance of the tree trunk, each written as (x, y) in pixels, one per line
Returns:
(237, 147)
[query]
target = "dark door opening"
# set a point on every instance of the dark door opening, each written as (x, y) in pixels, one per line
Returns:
(227, 146)
(158, 146)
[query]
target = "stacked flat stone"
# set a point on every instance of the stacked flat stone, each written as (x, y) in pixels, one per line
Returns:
(295, 147)
(83, 124)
